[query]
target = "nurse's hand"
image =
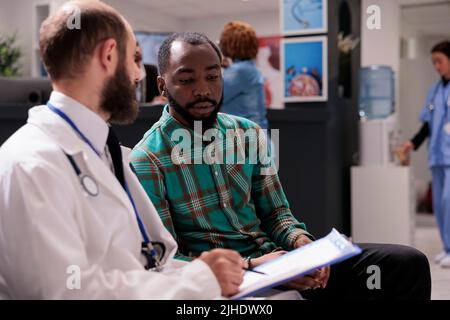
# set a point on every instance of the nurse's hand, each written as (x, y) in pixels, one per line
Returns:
(407, 147)
(227, 266)
(403, 152)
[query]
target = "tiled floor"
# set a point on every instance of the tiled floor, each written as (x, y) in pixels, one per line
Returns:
(427, 241)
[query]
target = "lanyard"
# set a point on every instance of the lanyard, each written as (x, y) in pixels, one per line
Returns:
(445, 99)
(66, 118)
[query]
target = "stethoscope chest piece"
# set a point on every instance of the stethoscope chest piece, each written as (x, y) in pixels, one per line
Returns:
(89, 185)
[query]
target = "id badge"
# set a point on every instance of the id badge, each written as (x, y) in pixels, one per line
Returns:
(447, 128)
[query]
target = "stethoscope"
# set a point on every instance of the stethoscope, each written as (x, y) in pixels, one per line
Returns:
(152, 256)
(431, 105)
(87, 182)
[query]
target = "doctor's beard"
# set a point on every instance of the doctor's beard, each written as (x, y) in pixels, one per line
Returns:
(118, 97)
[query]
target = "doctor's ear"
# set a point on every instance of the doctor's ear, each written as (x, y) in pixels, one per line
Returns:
(107, 53)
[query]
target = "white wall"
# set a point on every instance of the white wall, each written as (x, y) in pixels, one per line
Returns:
(5, 17)
(16, 16)
(265, 23)
(142, 18)
(382, 46)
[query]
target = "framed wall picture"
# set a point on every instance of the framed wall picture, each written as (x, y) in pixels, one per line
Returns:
(150, 43)
(304, 64)
(268, 62)
(300, 17)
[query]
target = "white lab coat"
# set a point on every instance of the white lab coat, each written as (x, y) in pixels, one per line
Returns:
(50, 227)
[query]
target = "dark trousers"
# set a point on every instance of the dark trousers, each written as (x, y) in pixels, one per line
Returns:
(404, 274)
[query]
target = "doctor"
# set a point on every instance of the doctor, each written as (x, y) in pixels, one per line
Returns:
(74, 220)
(436, 125)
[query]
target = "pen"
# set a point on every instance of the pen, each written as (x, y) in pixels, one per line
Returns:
(251, 270)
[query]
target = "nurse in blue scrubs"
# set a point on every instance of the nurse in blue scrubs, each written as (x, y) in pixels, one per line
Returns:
(436, 126)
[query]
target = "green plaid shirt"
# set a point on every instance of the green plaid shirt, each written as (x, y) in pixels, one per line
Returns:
(208, 206)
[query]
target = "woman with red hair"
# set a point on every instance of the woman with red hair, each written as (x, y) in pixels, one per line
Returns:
(243, 82)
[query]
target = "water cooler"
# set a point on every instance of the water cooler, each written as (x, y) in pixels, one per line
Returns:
(382, 191)
(378, 139)
(378, 121)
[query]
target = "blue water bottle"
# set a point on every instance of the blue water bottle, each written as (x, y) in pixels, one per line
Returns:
(376, 92)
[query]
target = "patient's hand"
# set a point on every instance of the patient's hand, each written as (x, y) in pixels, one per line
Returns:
(301, 241)
(318, 279)
(260, 260)
(322, 275)
(308, 282)
(227, 266)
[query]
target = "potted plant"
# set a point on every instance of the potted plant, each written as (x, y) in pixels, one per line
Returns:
(345, 46)
(10, 55)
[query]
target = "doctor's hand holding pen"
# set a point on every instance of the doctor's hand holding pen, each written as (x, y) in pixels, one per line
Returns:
(228, 267)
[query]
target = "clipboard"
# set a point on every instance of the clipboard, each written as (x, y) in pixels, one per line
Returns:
(332, 249)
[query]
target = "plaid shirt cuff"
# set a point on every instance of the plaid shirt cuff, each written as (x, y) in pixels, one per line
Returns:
(295, 235)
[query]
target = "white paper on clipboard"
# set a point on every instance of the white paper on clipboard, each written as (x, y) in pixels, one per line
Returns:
(329, 250)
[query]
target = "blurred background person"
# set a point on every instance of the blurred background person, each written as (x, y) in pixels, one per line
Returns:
(147, 90)
(436, 127)
(152, 94)
(243, 82)
(140, 88)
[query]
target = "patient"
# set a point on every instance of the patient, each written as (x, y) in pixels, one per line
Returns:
(209, 200)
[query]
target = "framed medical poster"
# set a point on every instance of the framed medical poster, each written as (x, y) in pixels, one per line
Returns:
(300, 17)
(268, 62)
(150, 43)
(304, 63)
